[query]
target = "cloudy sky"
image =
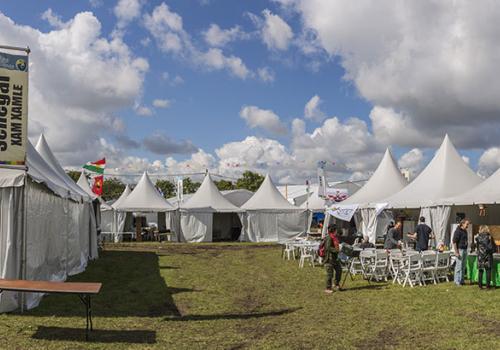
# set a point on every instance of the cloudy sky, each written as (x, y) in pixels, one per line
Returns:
(271, 86)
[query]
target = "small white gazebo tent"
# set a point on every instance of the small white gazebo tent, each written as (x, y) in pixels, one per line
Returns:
(144, 198)
(269, 217)
(385, 181)
(207, 215)
(114, 222)
(446, 175)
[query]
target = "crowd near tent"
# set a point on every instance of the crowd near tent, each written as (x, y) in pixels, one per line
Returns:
(46, 219)
(269, 217)
(207, 216)
(385, 181)
(445, 176)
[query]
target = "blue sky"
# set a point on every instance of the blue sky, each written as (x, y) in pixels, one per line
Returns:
(205, 102)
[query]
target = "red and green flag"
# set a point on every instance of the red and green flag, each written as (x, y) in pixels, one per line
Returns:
(96, 167)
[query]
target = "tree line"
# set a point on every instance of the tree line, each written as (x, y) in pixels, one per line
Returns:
(113, 187)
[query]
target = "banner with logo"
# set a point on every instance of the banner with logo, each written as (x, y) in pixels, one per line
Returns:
(13, 108)
(343, 212)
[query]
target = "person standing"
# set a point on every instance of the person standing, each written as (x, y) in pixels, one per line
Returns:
(393, 238)
(485, 248)
(331, 260)
(460, 245)
(422, 235)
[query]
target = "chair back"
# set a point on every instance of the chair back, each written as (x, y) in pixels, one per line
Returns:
(443, 259)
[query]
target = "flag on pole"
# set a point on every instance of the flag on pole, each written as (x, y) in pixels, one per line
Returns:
(96, 172)
(96, 167)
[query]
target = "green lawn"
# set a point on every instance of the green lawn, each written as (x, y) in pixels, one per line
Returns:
(238, 296)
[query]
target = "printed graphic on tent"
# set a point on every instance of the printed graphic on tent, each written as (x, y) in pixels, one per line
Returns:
(96, 171)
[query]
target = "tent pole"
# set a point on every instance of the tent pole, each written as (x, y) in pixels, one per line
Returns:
(24, 245)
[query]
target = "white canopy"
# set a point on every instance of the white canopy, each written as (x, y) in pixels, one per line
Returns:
(144, 198)
(446, 175)
(122, 197)
(268, 197)
(84, 185)
(237, 197)
(385, 181)
(45, 152)
(487, 192)
(208, 199)
(315, 203)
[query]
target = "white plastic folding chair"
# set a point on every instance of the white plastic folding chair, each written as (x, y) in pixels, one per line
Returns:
(443, 266)
(367, 260)
(289, 251)
(412, 269)
(379, 269)
(395, 264)
(306, 253)
(429, 266)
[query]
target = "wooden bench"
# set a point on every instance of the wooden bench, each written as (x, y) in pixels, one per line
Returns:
(83, 290)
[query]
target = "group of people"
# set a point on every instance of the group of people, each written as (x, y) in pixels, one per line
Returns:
(484, 245)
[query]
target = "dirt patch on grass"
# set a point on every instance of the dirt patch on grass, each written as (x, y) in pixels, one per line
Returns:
(386, 338)
(487, 325)
(183, 248)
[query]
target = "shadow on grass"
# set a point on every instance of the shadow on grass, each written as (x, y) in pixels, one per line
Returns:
(231, 316)
(368, 286)
(132, 285)
(96, 336)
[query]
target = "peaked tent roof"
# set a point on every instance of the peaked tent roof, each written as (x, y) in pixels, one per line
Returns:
(122, 197)
(268, 197)
(144, 198)
(84, 185)
(487, 192)
(446, 175)
(45, 152)
(208, 197)
(385, 181)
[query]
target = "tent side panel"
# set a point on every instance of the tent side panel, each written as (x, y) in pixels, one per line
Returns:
(10, 241)
(196, 227)
(292, 225)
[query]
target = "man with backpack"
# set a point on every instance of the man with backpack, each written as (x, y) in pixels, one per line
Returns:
(330, 250)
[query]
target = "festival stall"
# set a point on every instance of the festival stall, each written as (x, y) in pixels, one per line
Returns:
(269, 217)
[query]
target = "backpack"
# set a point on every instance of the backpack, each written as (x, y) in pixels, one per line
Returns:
(321, 250)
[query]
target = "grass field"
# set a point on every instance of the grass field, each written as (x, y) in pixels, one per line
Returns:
(239, 296)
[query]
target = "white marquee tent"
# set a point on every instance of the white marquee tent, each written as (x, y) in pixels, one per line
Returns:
(445, 176)
(385, 181)
(269, 217)
(144, 198)
(206, 216)
(60, 231)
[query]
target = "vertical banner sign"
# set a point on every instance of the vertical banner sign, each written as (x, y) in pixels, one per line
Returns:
(180, 190)
(13, 108)
(321, 179)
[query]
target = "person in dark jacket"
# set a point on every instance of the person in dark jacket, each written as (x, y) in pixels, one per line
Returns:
(485, 247)
(422, 235)
(460, 245)
(393, 238)
(331, 259)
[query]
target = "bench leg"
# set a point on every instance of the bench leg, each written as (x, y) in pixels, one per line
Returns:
(85, 298)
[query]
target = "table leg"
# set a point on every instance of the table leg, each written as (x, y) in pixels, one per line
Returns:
(85, 298)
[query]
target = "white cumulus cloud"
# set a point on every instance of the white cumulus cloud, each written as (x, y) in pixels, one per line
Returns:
(265, 119)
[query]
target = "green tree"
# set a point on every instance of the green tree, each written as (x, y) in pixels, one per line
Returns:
(112, 188)
(74, 175)
(250, 181)
(167, 187)
(224, 185)
(190, 186)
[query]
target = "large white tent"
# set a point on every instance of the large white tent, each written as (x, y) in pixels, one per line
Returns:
(207, 215)
(45, 221)
(385, 181)
(269, 217)
(445, 176)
